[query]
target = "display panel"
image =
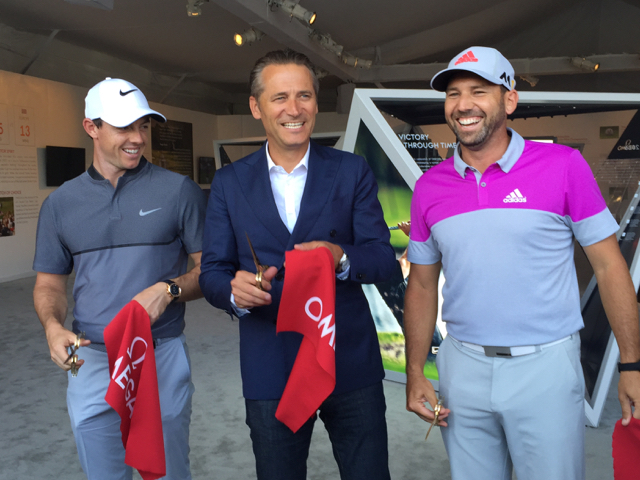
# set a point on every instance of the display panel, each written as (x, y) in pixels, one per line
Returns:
(63, 164)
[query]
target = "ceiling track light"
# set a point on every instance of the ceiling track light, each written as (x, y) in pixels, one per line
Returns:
(295, 10)
(354, 61)
(585, 64)
(328, 43)
(193, 7)
(530, 79)
(247, 37)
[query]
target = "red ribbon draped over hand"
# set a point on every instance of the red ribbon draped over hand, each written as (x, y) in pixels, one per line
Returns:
(133, 389)
(308, 307)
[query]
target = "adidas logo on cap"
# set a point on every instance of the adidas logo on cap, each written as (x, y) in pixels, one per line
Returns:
(467, 57)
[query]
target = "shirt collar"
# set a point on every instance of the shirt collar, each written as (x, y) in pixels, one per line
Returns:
(304, 162)
(506, 163)
(93, 172)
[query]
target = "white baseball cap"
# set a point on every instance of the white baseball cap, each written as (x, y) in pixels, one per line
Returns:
(118, 102)
(483, 61)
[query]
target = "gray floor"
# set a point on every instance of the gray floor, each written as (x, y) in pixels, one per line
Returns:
(36, 440)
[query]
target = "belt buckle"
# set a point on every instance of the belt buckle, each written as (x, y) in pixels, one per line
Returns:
(501, 352)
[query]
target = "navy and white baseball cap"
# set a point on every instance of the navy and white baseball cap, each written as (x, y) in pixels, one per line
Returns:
(118, 102)
(486, 62)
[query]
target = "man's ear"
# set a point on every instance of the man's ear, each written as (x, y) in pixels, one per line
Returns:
(511, 101)
(255, 107)
(90, 128)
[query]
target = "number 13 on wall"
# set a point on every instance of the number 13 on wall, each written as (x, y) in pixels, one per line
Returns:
(4, 125)
(24, 126)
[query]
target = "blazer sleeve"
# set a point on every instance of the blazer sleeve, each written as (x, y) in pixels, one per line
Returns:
(371, 256)
(219, 250)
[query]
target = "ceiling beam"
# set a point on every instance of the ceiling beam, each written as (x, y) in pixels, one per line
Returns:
(467, 29)
(40, 51)
(290, 32)
(522, 66)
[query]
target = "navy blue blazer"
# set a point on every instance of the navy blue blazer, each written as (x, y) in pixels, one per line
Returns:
(339, 205)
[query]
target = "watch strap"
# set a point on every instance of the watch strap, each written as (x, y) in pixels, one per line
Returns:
(629, 367)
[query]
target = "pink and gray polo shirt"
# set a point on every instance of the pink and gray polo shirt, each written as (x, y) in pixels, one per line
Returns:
(505, 239)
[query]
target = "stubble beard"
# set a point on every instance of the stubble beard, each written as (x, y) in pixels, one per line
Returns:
(477, 139)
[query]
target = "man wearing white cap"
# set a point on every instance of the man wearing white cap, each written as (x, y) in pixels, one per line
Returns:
(127, 228)
(499, 218)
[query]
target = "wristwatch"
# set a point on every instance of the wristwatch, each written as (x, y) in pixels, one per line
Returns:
(173, 290)
(629, 367)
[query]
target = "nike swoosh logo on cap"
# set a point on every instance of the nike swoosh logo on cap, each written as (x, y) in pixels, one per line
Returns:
(127, 92)
(142, 214)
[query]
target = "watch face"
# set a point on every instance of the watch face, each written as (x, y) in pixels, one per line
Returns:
(174, 289)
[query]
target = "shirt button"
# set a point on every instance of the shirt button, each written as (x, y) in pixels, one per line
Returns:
(483, 184)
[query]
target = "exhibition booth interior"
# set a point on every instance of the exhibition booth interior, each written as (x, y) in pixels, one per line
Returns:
(402, 133)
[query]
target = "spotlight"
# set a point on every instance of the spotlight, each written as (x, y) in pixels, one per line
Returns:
(354, 61)
(530, 79)
(585, 64)
(325, 40)
(248, 37)
(193, 7)
(295, 10)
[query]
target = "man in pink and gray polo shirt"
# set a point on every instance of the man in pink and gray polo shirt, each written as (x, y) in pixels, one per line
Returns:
(499, 218)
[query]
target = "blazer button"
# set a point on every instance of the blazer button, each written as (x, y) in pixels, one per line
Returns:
(279, 276)
(333, 233)
(360, 276)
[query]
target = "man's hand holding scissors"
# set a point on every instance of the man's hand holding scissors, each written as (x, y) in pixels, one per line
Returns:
(252, 289)
(420, 391)
(60, 341)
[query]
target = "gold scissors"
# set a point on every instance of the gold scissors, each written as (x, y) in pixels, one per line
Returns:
(436, 412)
(259, 267)
(73, 356)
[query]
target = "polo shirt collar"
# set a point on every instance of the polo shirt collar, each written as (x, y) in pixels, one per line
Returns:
(304, 162)
(93, 173)
(506, 163)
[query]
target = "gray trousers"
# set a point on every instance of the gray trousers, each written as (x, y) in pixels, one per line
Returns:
(96, 426)
(524, 413)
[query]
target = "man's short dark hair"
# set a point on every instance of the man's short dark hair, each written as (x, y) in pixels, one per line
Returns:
(280, 57)
(97, 122)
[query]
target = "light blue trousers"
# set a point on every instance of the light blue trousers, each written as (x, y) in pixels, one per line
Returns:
(96, 426)
(524, 413)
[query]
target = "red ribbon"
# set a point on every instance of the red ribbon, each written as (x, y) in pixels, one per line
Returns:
(308, 307)
(133, 390)
(626, 450)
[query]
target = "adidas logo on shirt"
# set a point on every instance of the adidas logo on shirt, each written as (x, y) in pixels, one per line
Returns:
(515, 197)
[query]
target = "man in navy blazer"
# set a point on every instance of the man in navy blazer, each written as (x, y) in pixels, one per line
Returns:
(293, 193)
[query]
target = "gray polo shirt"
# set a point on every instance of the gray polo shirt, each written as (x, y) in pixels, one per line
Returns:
(120, 241)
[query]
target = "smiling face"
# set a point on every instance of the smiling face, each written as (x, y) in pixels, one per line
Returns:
(117, 150)
(287, 107)
(476, 110)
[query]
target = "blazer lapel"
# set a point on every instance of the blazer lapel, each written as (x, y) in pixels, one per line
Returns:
(320, 178)
(253, 178)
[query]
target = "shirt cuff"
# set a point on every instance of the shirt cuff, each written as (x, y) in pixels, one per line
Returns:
(343, 275)
(237, 310)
